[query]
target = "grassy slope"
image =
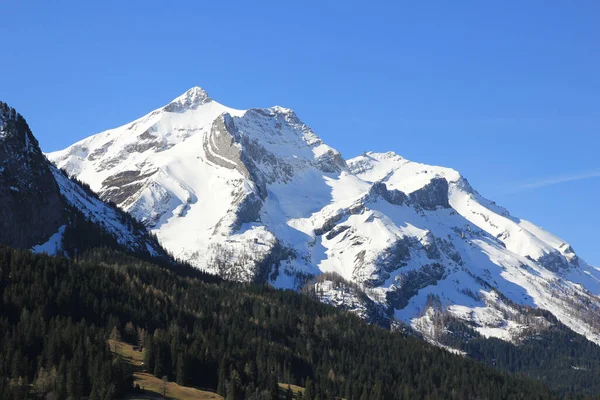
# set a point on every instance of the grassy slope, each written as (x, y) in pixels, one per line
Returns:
(152, 385)
(295, 389)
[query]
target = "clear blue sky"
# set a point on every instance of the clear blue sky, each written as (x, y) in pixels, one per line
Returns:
(509, 93)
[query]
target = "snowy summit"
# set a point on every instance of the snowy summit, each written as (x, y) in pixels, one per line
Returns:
(256, 195)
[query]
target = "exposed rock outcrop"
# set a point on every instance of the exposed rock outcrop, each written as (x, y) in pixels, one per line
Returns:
(31, 207)
(432, 195)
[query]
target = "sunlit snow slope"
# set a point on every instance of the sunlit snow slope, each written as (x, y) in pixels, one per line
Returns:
(256, 195)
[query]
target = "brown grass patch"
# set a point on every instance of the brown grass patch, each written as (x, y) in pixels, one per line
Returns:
(153, 386)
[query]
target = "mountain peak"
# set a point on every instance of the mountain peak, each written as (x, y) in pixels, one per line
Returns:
(257, 195)
(190, 100)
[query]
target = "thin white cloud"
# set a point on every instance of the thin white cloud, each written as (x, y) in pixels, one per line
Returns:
(549, 181)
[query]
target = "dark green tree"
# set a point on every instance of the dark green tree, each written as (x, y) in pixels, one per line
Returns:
(309, 390)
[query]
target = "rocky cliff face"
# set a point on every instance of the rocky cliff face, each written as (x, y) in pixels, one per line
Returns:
(257, 195)
(31, 207)
(39, 205)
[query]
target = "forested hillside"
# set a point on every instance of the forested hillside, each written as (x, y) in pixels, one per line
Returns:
(565, 360)
(239, 340)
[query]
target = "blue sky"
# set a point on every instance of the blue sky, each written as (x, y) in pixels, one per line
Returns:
(507, 93)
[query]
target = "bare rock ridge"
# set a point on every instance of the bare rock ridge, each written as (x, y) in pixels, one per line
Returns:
(257, 195)
(30, 203)
(432, 195)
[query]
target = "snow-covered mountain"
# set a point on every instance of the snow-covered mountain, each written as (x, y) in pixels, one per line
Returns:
(40, 205)
(256, 195)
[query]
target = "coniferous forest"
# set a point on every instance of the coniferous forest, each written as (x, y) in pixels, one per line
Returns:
(563, 359)
(56, 315)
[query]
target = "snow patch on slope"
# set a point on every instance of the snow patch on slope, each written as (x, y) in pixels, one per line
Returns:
(53, 246)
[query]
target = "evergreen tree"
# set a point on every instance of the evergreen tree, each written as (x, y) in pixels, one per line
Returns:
(181, 370)
(309, 390)
(234, 391)
(165, 380)
(365, 393)
(158, 365)
(273, 388)
(377, 392)
(222, 383)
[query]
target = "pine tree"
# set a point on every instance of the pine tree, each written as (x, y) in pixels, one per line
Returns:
(273, 388)
(377, 392)
(130, 332)
(158, 365)
(309, 390)
(115, 335)
(164, 385)
(74, 383)
(222, 378)
(234, 390)
(149, 354)
(109, 392)
(365, 393)
(42, 383)
(181, 370)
